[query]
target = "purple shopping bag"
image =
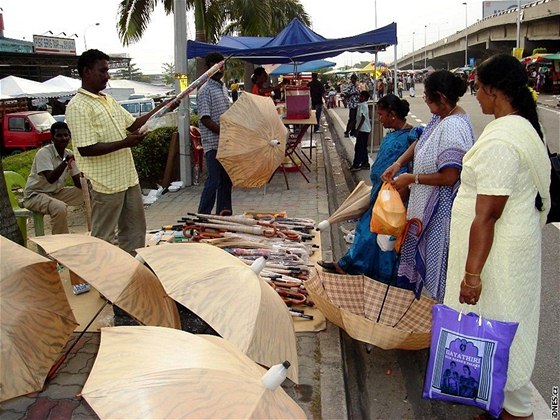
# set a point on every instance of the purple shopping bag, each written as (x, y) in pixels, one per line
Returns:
(469, 358)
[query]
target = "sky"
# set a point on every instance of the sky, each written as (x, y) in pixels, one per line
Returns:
(330, 18)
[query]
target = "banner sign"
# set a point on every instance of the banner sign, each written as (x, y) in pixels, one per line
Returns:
(53, 45)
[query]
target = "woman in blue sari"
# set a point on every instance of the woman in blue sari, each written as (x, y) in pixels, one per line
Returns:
(364, 255)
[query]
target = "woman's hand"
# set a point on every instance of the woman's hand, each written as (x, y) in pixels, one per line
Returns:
(390, 172)
(471, 287)
(402, 181)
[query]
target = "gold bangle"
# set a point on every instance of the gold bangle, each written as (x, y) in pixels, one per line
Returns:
(472, 274)
(400, 166)
(469, 286)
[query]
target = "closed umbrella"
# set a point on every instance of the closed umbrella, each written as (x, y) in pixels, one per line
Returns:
(352, 208)
(36, 319)
(252, 141)
(161, 373)
(115, 274)
(373, 312)
(230, 297)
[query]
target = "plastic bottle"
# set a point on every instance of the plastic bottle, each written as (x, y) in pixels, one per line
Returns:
(275, 375)
(259, 264)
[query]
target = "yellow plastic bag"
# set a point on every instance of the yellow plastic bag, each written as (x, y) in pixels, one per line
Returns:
(388, 216)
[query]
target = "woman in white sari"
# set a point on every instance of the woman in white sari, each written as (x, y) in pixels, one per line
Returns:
(496, 221)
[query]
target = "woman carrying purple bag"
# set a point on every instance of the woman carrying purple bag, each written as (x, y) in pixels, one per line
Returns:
(497, 216)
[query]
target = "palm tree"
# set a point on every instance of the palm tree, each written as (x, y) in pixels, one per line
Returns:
(214, 18)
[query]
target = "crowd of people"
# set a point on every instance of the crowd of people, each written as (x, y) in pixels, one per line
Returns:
(481, 204)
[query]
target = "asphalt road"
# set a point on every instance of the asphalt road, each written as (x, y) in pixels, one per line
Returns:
(388, 384)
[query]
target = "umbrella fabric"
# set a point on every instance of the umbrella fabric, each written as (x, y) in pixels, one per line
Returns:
(115, 274)
(252, 141)
(302, 67)
(36, 320)
(354, 303)
(555, 56)
(151, 372)
(230, 297)
(352, 208)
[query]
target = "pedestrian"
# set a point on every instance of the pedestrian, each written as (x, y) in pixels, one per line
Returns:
(213, 101)
(400, 87)
(380, 88)
(316, 90)
(103, 134)
(260, 83)
(365, 255)
(363, 128)
(45, 191)
(351, 95)
(500, 209)
(235, 90)
(437, 165)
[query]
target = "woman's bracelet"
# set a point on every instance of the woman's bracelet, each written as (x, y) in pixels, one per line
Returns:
(469, 286)
(398, 164)
(472, 274)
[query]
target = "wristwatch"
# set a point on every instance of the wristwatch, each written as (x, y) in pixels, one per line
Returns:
(417, 179)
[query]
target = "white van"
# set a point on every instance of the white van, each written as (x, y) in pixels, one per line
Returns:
(138, 107)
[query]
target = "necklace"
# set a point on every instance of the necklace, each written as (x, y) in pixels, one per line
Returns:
(450, 112)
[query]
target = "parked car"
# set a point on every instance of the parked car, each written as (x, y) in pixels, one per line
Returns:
(25, 130)
(138, 107)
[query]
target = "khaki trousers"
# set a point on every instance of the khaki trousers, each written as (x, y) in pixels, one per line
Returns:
(56, 206)
(123, 211)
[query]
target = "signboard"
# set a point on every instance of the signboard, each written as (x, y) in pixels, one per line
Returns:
(490, 8)
(53, 45)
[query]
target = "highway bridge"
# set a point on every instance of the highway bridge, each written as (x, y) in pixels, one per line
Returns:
(540, 28)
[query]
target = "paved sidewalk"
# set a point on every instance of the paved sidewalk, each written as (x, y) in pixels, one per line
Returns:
(321, 389)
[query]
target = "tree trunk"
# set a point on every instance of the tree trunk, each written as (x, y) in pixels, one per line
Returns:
(200, 34)
(249, 67)
(8, 224)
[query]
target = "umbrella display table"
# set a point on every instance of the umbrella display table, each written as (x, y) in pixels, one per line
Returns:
(297, 131)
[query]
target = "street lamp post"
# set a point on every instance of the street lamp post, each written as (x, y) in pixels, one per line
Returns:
(466, 37)
(517, 39)
(425, 49)
(413, 50)
(85, 30)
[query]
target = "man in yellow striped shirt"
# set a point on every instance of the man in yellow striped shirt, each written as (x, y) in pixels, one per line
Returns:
(103, 133)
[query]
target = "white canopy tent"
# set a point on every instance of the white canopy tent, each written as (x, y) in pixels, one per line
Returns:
(17, 87)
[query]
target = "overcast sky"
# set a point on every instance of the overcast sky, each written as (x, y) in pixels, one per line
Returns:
(330, 18)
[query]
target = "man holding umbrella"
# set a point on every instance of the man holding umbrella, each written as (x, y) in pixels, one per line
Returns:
(213, 101)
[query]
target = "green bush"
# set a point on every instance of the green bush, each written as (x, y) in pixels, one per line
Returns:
(150, 156)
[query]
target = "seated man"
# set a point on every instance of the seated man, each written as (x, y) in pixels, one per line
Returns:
(45, 191)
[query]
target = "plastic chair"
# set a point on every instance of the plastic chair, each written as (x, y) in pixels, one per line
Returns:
(15, 180)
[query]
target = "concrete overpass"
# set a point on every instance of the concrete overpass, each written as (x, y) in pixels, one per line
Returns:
(540, 28)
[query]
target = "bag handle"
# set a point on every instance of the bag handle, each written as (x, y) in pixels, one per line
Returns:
(479, 321)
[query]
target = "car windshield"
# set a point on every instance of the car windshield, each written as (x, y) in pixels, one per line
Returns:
(42, 121)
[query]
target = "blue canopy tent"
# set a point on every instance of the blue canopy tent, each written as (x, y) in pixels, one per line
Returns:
(298, 43)
(302, 67)
(244, 41)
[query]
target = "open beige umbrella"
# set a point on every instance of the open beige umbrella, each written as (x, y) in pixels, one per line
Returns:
(230, 297)
(373, 312)
(252, 141)
(161, 373)
(115, 274)
(36, 320)
(352, 208)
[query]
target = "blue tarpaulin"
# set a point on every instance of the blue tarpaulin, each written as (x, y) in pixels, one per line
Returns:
(302, 67)
(297, 46)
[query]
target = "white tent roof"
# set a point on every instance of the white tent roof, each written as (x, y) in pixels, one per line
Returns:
(140, 88)
(63, 83)
(17, 87)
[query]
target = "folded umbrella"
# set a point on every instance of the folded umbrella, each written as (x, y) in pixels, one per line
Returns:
(352, 208)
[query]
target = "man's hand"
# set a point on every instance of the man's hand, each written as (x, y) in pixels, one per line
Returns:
(134, 139)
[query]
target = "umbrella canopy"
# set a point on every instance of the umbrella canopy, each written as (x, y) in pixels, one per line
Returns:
(352, 208)
(151, 372)
(36, 319)
(551, 57)
(230, 297)
(535, 58)
(302, 67)
(16, 87)
(115, 274)
(252, 141)
(370, 311)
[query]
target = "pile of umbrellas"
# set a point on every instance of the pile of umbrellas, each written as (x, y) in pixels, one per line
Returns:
(251, 318)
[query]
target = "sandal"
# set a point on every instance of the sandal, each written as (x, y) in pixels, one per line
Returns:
(329, 267)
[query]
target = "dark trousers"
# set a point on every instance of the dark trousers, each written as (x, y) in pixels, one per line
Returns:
(217, 187)
(360, 150)
(318, 110)
(351, 121)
